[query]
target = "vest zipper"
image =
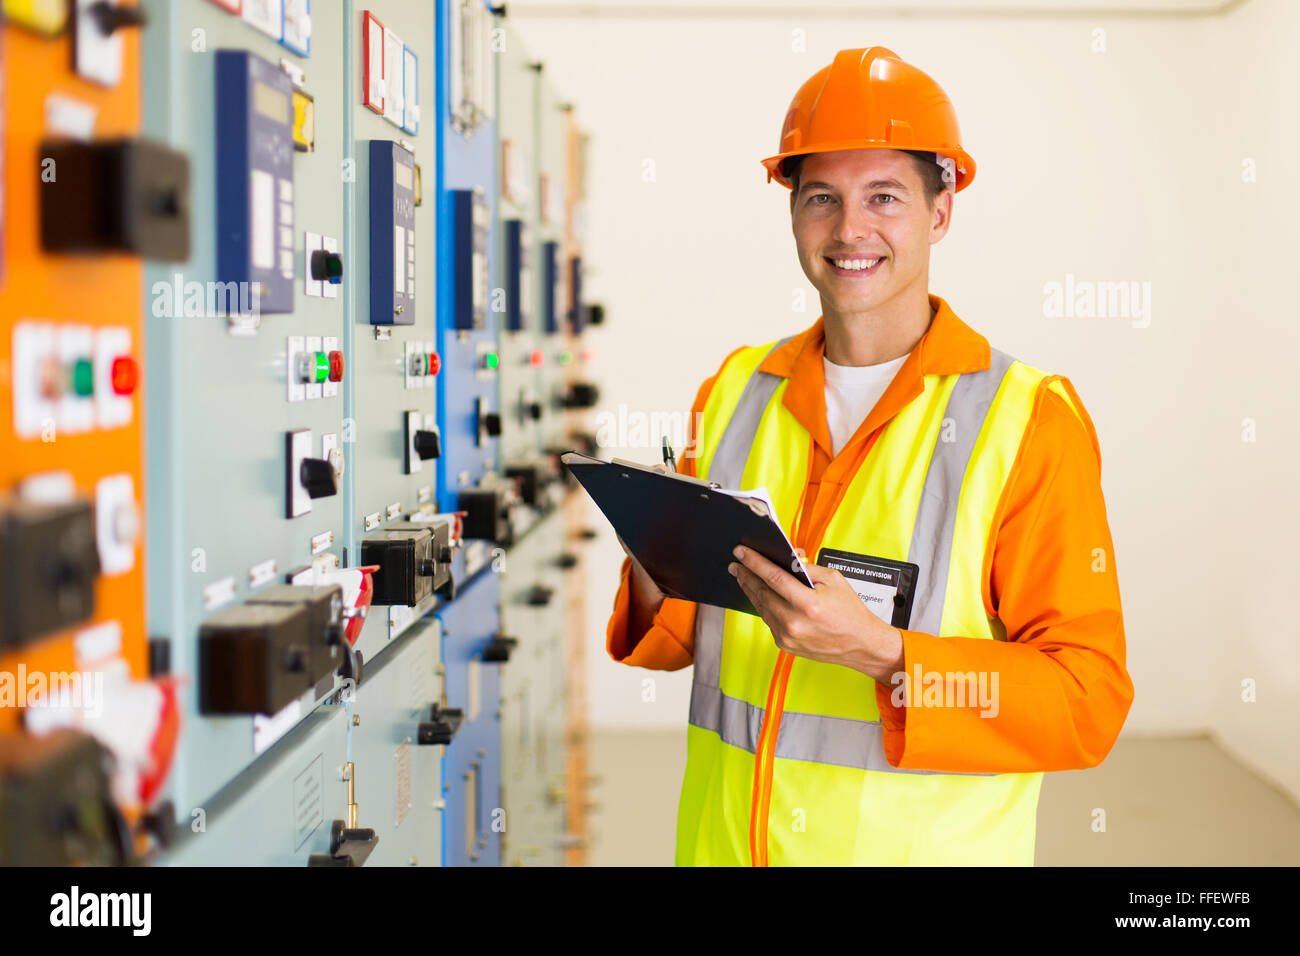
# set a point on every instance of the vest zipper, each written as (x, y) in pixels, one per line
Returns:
(761, 799)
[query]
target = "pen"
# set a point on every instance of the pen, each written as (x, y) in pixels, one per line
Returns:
(669, 458)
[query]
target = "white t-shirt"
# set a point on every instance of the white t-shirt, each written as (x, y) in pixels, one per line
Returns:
(851, 393)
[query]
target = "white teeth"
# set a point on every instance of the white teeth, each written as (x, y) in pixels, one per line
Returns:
(855, 265)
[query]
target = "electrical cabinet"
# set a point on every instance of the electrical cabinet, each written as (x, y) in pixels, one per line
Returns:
(86, 197)
(474, 819)
(247, 342)
(357, 393)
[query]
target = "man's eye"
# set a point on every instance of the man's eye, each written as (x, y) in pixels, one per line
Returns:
(886, 196)
(813, 199)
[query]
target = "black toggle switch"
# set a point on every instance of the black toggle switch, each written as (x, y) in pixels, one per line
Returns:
(121, 195)
(492, 424)
(112, 18)
(325, 641)
(497, 650)
(596, 313)
(327, 266)
(348, 846)
(534, 410)
(254, 658)
(48, 569)
(56, 802)
(318, 477)
(567, 561)
(581, 395)
(414, 561)
(487, 514)
(441, 726)
(539, 595)
(428, 444)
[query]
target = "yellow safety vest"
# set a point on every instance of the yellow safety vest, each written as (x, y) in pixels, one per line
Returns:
(817, 778)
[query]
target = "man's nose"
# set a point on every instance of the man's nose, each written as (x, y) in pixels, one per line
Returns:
(853, 224)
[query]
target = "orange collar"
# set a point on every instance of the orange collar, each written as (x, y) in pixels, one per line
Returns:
(948, 346)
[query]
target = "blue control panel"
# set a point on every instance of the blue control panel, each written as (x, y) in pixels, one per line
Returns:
(392, 234)
(254, 143)
(519, 287)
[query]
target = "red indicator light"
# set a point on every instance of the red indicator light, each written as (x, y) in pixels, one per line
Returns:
(336, 366)
(124, 375)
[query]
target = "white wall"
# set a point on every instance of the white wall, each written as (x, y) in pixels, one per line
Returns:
(1117, 165)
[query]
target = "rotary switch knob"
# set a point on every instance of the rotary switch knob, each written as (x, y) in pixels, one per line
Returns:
(428, 444)
(318, 477)
(492, 423)
(327, 266)
(534, 410)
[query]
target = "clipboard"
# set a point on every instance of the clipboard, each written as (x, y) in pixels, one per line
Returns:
(683, 530)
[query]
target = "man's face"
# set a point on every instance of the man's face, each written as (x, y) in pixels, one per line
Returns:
(855, 207)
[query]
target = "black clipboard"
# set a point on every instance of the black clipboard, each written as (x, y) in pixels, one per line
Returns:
(683, 530)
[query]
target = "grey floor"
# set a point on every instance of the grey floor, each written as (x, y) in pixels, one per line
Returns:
(1166, 802)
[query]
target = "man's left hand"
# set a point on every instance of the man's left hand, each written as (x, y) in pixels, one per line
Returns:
(827, 623)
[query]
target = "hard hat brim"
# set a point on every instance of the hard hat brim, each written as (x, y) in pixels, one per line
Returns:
(965, 164)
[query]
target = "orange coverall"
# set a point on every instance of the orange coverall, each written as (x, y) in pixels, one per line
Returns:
(1049, 576)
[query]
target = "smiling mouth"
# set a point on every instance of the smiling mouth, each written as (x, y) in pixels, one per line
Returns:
(854, 265)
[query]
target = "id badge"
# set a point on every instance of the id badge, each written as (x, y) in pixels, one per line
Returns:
(886, 587)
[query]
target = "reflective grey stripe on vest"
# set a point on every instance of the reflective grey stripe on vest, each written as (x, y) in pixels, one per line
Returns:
(727, 467)
(936, 517)
(820, 738)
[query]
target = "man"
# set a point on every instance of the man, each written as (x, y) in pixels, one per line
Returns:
(964, 633)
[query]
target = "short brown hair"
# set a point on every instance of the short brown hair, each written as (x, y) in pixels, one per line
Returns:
(926, 165)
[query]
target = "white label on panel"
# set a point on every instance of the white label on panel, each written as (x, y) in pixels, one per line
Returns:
(34, 359)
(330, 290)
(399, 260)
(263, 216)
(267, 730)
(410, 89)
(294, 348)
(68, 117)
(98, 52)
(117, 523)
(262, 573)
(265, 15)
(297, 25)
(394, 101)
(218, 593)
(311, 242)
(98, 644)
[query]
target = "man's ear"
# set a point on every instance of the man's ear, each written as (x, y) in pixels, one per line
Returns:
(941, 215)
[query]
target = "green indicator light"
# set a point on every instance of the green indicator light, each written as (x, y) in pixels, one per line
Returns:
(566, 357)
(491, 360)
(322, 367)
(83, 378)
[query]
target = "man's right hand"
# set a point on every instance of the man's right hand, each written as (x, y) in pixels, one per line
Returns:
(644, 597)
(645, 594)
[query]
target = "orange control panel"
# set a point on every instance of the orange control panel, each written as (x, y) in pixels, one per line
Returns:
(71, 361)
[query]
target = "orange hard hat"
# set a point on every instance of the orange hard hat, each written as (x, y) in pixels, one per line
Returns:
(871, 99)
